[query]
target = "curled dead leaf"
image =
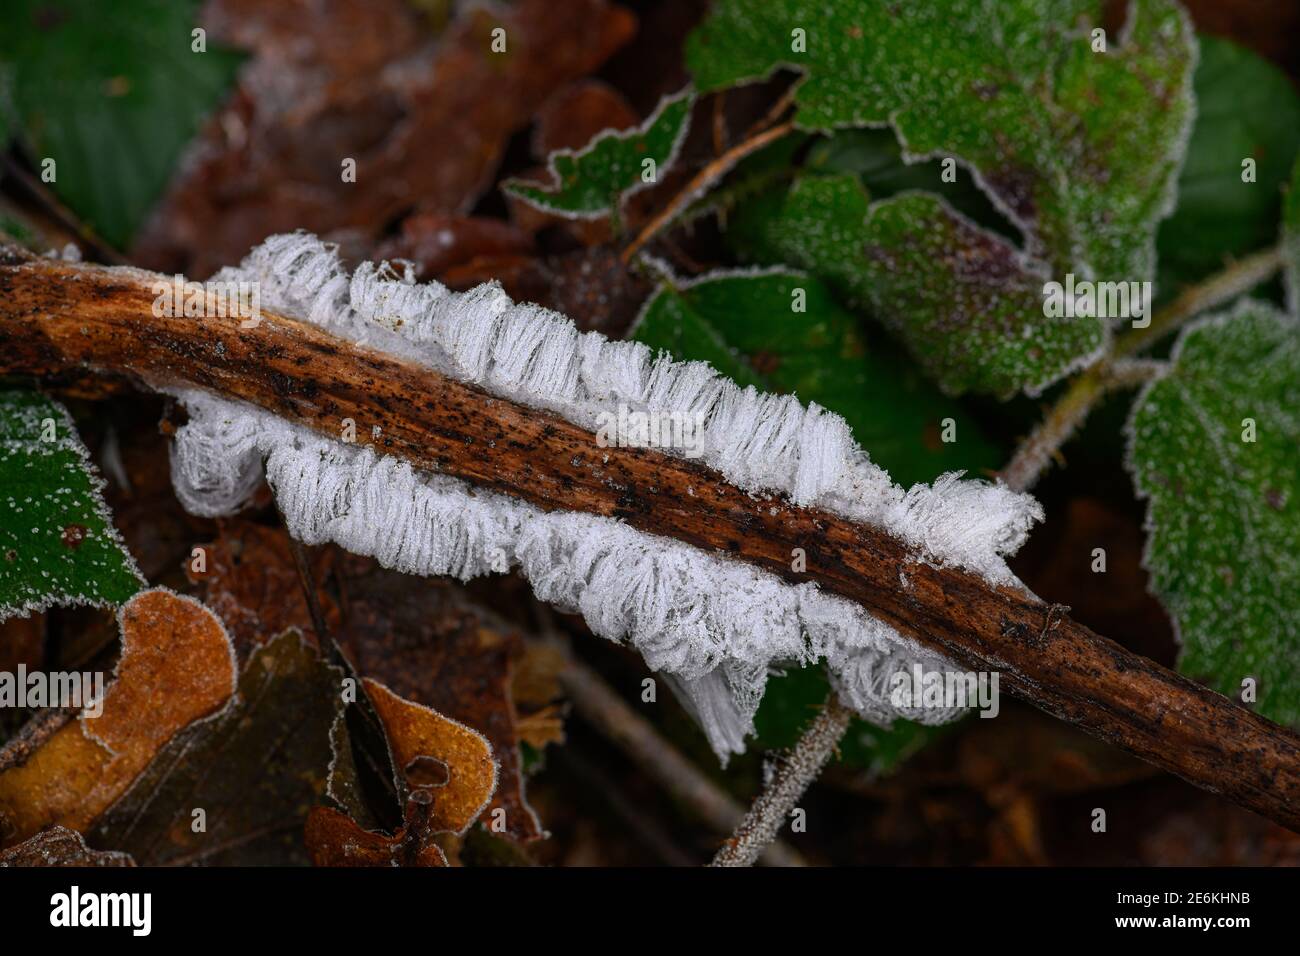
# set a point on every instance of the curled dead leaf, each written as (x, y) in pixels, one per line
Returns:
(177, 667)
(418, 735)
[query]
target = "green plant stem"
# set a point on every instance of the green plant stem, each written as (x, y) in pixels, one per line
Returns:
(702, 180)
(1114, 371)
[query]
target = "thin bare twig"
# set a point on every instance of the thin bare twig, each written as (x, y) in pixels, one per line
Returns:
(606, 711)
(61, 213)
(701, 181)
(796, 771)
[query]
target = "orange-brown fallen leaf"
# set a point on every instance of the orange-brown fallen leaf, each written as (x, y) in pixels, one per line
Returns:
(432, 751)
(429, 646)
(446, 776)
(177, 666)
(335, 839)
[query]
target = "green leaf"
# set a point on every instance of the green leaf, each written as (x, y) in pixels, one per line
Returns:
(874, 156)
(1224, 511)
(1079, 148)
(964, 301)
(6, 105)
(743, 323)
(57, 540)
(111, 92)
(1246, 108)
(792, 700)
(255, 769)
(594, 181)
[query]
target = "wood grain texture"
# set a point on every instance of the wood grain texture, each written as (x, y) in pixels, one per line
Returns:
(57, 318)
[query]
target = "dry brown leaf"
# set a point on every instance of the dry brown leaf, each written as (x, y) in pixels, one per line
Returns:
(445, 776)
(593, 285)
(252, 584)
(435, 752)
(334, 839)
(425, 119)
(177, 666)
(22, 641)
(427, 646)
(435, 242)
(59, 846)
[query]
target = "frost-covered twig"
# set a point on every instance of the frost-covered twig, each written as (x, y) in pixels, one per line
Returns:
(914, 570)
(1224, 286)
(792, 776)
(1070, 411)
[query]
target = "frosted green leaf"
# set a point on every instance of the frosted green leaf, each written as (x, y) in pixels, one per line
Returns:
(1224, 510)
(1080, 149)
(57, 540)
(594, 181)
(965, 301)
(111, 92)
(744, 324)
(874, 156)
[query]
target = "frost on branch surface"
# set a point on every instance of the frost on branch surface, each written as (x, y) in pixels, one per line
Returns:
(57, 540)
(964, 300)
(593, 181)
(713, 624)
(1080, 150)
(1224, 545)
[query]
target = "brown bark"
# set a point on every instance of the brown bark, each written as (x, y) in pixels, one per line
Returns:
(56, 317)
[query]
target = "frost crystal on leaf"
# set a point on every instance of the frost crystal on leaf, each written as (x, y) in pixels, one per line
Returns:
(715, 625)
(1080, 151)
(596, 179)
(58, 545)
(1214, 445)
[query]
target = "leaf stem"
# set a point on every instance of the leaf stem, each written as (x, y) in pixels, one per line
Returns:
(1242, 276)
(1114, 371)
(701, 181)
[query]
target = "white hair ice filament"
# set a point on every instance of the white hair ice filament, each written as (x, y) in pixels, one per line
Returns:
(716, 627)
